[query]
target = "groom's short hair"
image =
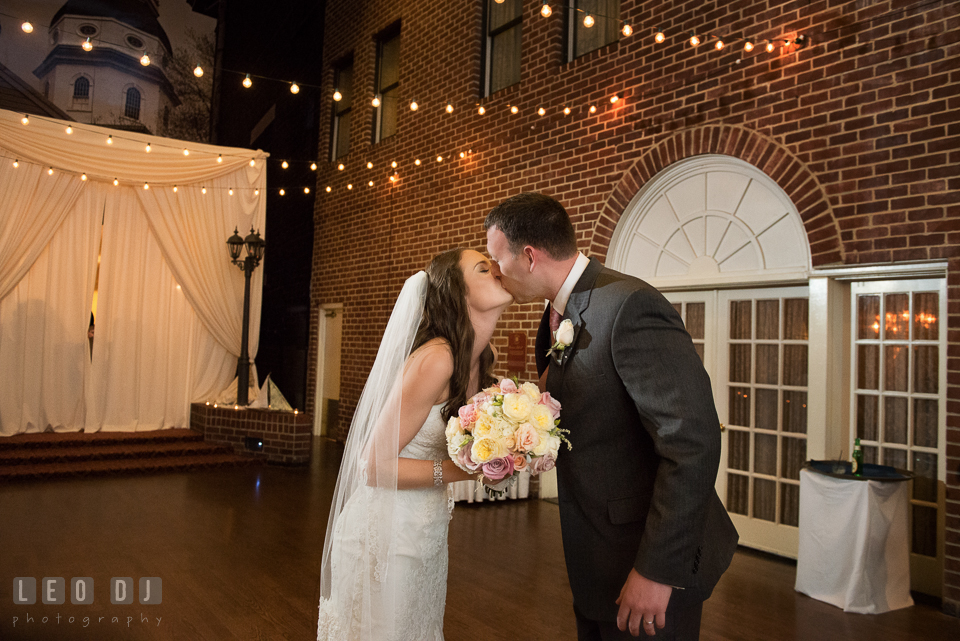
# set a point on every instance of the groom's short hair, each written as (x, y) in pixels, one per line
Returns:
(536, 220)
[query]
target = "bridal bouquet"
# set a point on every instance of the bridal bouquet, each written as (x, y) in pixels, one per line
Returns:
(505, 429)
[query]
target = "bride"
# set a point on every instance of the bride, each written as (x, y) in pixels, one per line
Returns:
(384, 568)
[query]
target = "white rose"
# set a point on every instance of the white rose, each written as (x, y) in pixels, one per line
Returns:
(486, 449)
(453, 426)
(541, 418)
(517, 406)
(531, 390)
(565, 333)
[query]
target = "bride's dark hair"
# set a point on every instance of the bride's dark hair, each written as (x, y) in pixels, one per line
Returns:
(445, 316)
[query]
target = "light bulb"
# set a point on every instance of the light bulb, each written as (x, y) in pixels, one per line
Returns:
(770, 47)
(83, 177)
(375, 102)
(337, 96)
(16, 163)
(393, 178)
(146, 185)
(186, 152)
(481, 110)
(87, 45)
(627, 31)
(256, 192)
(541, 111)
(198, 71)
(203, 190)
(394, 164)
(27, 27)
(340, 167)
(145, 59)
(230, 191)
(110, 140)
(659, 37)
(284, 164)
(313, 166)
(369, 165)
(588, 21)
(283, 193)
(593, 109)
(253, 162)
(545, 10)
(350, 186)
(25, 120)
(116, 182)
(370, 184)
(614, 98)
(294, 88)
(219, 157)
(719, 44)
(247, 82)
(566, 111)
(748, 46)
(514, 109)
(174, 189)
(498, 1)
(306, 190)
(329, 189)
(439, 158)
(694, 40)
(449, 109)
(417, 162)
(50, 171)
(463, 155)
(69, 130)
(414, 106)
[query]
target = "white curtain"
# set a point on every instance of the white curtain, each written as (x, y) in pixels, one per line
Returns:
(44, 352)
(158, 346)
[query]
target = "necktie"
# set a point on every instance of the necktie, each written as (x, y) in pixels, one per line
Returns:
(554, 319)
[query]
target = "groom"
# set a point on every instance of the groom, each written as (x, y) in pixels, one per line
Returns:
(645, 535)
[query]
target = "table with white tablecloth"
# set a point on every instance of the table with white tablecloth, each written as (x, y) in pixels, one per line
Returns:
(854, 542)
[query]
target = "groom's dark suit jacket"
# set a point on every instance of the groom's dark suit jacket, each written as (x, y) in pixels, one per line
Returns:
(637, 489)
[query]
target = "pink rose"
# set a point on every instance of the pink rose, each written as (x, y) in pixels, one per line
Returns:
(519, 462)
(498, 468)
(551, 403)
(464, 458)
(507, 386)
(542, 464)
(526, 437)
(468, 415)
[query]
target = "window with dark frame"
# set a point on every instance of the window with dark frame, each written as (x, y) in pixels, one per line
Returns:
(504, 26)
(342, 109)
(81, 88)
(387, 83)
(605, 30)
(132, 107)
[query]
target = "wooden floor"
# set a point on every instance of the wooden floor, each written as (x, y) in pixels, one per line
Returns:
(238, 552)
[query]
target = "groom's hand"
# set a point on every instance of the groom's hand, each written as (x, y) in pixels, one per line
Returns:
(642, 601)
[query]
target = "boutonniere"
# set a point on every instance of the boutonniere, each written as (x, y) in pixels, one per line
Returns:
(563, 338)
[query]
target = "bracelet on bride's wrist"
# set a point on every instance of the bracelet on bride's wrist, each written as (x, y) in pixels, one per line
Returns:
(438, 473)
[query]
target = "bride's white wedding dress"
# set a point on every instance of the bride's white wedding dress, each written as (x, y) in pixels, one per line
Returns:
(417, 578)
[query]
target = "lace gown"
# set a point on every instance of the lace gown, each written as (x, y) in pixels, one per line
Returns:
(418, 575)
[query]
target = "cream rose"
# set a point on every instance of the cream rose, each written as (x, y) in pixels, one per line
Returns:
(486, 449)
(565, 333)
(541, 418)
(484, 426)
(517, 406)
(531, 390)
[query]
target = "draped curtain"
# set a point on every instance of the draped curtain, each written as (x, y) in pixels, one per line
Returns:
(169, 303)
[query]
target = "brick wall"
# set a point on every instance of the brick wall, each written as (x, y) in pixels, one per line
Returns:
(286, 436)
(861, 128)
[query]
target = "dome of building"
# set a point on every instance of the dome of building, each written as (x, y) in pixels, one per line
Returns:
(138, 14)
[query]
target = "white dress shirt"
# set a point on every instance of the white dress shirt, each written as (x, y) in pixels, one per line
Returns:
(560, 302)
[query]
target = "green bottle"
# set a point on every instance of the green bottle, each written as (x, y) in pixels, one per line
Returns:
(857, 467)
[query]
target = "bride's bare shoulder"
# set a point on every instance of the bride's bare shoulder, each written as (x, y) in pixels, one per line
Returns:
(433, 360)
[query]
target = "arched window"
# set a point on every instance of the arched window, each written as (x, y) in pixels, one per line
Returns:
(81, 88)
(132, 109)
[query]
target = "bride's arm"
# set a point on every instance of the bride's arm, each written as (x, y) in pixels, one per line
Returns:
(426, 379)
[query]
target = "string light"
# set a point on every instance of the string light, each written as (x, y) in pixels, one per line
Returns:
(588, 21)
(198, 71)
(16, 163)
(417, 162)
(337, 96)
(439, 158)
(116, 183)
(593, 109)
(146, 186)
(394, 164)
(627, 31)
(253, 162)
(659, 37)
(174, 189)
(230, 191)
(481, 110)
(25, 120)
(393, 178)
(369, 165)
(748, 46)
(370, 183)
(614, 98)
(283, 193)
(145, 59)
(514, 109)
(340, 167)
(87, 45)
(219, 157)
(541, 111)
(110, 139)
(414, 106)
(719, 44)
(545, 10)
(294, 88)
(27, 27)
(449, 108)
(770, 47)
(284, 164)
(50, 171)
(306, 190)
(203, 190)
(69, 130)
(83, 177)
(350, 186)
(376, 101)
(313, 166)
(329, 189)
(694, 40)
(247, 83)
(186, 152)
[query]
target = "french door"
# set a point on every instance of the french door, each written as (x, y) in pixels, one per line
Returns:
(754, 344)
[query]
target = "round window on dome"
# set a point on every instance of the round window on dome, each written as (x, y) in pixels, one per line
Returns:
(135, 42)
(88, 30)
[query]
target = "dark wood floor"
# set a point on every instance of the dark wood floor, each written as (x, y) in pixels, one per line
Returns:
(238, 552)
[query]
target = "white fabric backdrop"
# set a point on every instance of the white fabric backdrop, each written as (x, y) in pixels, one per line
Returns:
(157, 347)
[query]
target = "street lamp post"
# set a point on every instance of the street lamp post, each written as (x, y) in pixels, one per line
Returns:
(254, 246)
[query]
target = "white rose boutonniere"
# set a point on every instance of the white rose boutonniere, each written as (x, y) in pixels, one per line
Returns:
(563, 338)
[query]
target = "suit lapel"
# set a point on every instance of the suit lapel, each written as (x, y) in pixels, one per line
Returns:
(575, 310)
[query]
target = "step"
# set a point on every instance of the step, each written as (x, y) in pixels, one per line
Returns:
(75, 439)
(123, 466)
(36, 455)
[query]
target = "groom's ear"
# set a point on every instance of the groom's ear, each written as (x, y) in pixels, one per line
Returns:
(532, 255)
